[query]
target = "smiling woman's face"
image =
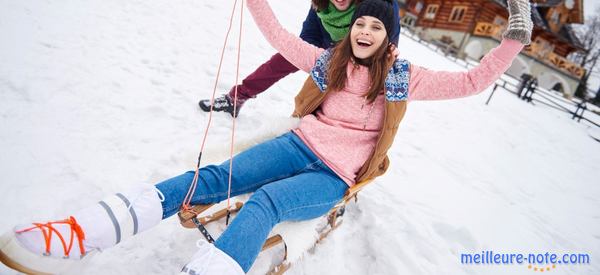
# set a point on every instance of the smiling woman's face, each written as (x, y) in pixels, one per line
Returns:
(367, 35)
(341, 5)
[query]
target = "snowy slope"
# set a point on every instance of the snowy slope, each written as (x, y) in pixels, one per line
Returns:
(98, 95)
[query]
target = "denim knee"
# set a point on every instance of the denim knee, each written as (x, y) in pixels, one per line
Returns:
(212, 183)
(261, 202)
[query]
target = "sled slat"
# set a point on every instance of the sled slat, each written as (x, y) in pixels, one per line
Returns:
(272, 241)
(280, 269)
(185, 217)
(221, 214)
(188, 214)
(353, 191)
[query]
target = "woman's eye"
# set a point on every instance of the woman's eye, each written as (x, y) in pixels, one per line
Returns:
(377, 28)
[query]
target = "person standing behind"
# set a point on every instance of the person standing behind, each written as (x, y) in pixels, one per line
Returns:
(327, 22)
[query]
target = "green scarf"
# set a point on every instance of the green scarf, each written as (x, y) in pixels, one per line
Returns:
(335, 22)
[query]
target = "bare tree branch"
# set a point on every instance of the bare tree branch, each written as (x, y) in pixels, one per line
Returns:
(589, 36)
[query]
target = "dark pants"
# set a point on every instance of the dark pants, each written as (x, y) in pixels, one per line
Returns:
(263, 77)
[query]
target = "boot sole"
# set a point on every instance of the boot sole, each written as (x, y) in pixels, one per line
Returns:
(203, 108)
(17, 266)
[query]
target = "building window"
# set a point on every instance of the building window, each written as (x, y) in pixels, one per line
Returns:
(541, 47)
(500, 21)
(419, 6)
(555, 18)
(409, 20)
(431, 11)
(458, 14)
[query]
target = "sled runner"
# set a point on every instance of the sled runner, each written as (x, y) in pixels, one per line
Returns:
(192, 218)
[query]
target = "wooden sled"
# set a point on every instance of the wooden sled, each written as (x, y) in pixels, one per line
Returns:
(192, 218)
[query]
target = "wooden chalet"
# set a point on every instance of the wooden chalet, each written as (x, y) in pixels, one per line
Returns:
(471, 28)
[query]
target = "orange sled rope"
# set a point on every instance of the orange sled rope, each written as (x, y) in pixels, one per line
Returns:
(186, 205)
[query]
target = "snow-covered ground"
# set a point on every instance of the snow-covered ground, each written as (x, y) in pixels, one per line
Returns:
(98, 95)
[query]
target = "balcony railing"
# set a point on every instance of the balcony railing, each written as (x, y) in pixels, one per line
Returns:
(552, 59)
(488, 29)
(549, 58)
(566, 65)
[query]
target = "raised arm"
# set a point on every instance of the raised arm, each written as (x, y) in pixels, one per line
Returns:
(298, 52)
(431, 85)
(435, 85)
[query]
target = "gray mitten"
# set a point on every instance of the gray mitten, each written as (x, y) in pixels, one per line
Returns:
(519, 21)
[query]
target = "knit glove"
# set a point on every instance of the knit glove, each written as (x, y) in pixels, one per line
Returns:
(519, 21)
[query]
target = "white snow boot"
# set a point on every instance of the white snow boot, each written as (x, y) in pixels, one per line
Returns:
(210, 260)
(55, 246)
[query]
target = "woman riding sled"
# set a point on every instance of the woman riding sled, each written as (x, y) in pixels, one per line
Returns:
(350, 108)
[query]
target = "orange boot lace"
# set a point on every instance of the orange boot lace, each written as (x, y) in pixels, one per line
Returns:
(48, 231)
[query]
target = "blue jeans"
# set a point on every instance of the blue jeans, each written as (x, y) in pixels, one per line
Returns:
(289, 183)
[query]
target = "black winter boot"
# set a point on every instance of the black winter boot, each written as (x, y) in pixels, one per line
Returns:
(223, 103)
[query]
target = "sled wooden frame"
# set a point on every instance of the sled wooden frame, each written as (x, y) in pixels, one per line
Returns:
(188, 219)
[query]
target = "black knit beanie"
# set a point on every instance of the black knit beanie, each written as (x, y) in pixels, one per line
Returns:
(380, 9)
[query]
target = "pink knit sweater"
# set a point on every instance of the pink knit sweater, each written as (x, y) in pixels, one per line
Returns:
(344, 130)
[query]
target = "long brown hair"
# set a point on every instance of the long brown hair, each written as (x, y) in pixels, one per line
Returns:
(320, 5)
(379, 64)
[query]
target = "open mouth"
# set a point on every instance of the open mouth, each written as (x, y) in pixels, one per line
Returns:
(364, 43)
